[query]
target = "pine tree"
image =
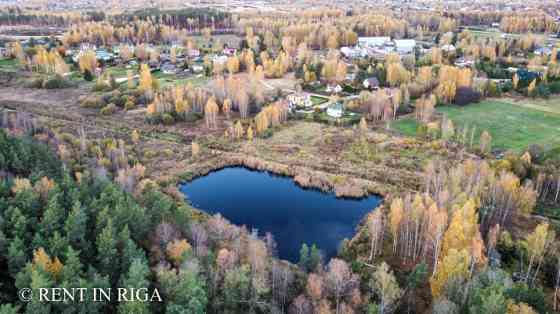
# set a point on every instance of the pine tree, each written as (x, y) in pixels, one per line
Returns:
(304, 257)
(136, 277)
(107, 250)
(76, 227)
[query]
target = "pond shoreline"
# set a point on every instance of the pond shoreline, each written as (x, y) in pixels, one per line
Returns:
(268, 202)
(341, 185)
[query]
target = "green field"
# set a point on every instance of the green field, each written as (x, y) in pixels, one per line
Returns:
(511, 126)
(318, 100)
(8, 64)
(120, 71)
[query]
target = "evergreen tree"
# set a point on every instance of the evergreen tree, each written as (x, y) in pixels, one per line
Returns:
(75, 226)
(107, 251)
(16, 256)
(304, 260)
(315, 258)
(135, 278)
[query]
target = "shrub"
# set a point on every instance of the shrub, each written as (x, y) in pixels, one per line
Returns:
(88, 76)
(124, 99)
(193, 116)
(466, 95)
(507, 87)
(54, 82)
(542, 91)
(35, 83)
(266, 133)
(421, 130)
(129, 105)
(533, 296)
(554, 87)
(149, 154)
(101, 86)
(167, 119)
(493, 90)
(109, 109)
(92, 101)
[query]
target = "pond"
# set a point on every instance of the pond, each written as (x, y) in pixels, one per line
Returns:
(276, 204)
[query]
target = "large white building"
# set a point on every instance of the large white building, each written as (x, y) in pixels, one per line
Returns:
(372, 42)
(405, 46)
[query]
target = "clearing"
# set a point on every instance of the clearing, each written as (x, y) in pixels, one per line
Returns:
(512, 126)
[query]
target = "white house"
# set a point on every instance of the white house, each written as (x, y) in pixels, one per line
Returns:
(405, 46)
(193, 53)
(335, 110)
(448, 48)
(371, 42)
(333, 89)
(371, 83)
(220, 59)
(196, 68)
(463, 63)
(169, 68)
(299, 100)
(353, 52)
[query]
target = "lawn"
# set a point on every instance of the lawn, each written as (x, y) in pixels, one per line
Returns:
(406, 126)
(120, 71)
(550, 105)
(8, 64)
(551, 212)
(511, 126)
(318, 100)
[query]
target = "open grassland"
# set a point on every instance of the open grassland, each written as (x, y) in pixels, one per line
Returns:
(550, 105)
(8, 65)
(511, 126)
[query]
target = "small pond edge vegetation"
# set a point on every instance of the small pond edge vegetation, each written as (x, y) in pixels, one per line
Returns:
(341, 185)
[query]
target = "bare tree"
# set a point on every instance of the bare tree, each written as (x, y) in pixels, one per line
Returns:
(340, 280)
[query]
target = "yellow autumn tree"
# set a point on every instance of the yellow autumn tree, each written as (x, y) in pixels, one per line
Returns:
(195, 149)
(515, 81)
(455, 265)
(519, 308)
(261, 122)
(462, 229)
(145, 81)
(226, 107)
(363, 125)
(238, 130)
(211, 113)
(135, 136)
(87, 61)
(536, 243)
(447, 87)
(42, 260)
(531, 88)
(176, 250)
(485, 142)
(250, 133)
(232, 64)
(395, 217)
(129, 79)
(21, 184)
(55, 268)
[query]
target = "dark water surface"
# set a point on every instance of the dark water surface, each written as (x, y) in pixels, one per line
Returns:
(277, 205)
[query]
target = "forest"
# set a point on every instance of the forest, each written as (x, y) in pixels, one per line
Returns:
(447, 115)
